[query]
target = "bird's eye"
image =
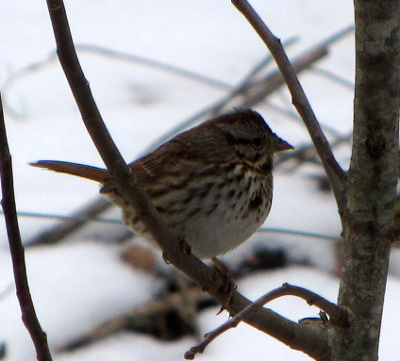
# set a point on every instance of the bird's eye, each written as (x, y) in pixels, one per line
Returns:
(256, 141)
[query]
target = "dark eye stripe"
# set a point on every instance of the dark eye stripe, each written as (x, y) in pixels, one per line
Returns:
(255, 141)
(243, 140)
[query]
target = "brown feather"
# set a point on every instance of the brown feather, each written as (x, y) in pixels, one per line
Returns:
(93, 173)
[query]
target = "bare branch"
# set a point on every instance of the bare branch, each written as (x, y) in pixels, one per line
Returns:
(338, 316)
(299, 99)
(82, 217)
(17, 251)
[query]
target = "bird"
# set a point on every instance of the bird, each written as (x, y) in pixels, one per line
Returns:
(211, 185)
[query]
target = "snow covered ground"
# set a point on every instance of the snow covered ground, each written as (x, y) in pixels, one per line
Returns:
(80, 284)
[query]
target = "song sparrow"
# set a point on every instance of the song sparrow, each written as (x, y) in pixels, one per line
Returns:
(212, 184)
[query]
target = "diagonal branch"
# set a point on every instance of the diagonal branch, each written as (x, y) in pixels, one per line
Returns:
(299, 337)
(333, 170)
(17, 251)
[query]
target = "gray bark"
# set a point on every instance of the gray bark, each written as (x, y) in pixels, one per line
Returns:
(371, 180)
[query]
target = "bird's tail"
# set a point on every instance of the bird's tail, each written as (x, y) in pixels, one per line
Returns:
(97, 174)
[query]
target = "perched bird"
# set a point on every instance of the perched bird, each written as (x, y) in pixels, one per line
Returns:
(211, 184)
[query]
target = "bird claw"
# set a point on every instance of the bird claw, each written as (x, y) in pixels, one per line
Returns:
(229, 286)
(165, 259)
(185, 247)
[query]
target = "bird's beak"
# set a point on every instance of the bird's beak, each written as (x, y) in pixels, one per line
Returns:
(281, 145)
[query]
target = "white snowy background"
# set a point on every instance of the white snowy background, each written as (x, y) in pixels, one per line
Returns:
(81, 283)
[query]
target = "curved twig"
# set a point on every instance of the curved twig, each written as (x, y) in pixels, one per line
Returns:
(338, 316)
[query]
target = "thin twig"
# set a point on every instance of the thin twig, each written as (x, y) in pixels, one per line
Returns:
(334, 172)
(156, 64)
(82, 217)
(306, 152)
(17, 251)
(10, 81)
(117, 222)
(335, 78)
(338, 316)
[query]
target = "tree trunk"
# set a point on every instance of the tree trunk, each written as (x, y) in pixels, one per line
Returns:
(371, 180)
